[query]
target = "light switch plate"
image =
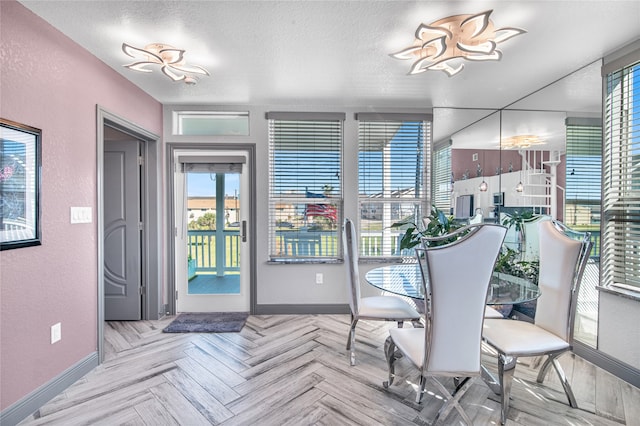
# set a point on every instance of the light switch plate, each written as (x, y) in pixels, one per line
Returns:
(81, 215)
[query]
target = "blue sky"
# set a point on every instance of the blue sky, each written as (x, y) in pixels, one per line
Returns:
(203, 184)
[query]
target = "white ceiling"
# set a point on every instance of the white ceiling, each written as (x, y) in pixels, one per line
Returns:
(336, 53)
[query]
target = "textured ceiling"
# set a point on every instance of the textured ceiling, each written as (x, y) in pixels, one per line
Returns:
(336, 53)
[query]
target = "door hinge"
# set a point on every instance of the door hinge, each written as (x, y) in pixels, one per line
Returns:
(142, 289)
(140, 226)
(176, 294)
(140, 161)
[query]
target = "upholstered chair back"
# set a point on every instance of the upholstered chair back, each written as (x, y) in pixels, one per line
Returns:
(456, 281)
(350, 249)
(559, 257)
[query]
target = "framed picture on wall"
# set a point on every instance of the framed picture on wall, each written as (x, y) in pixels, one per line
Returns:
(20, 168)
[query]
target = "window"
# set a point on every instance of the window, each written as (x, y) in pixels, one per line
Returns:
(211, 123)
(393, 154)
(305, 186)
(583, 184)
(621, 177)
(442, 178)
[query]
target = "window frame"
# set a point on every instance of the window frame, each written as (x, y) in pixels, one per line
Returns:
(620, 225)
(369, 251)
(327, 252)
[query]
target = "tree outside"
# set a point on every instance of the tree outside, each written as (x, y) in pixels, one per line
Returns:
(206, 222)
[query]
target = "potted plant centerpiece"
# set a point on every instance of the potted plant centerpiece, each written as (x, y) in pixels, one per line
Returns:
(435, 225)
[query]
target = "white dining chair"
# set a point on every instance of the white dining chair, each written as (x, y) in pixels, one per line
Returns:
(489, 312)
(455, 280)
(562, 262)
(383, 308)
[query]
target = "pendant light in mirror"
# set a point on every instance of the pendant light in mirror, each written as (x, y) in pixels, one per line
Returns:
(483, 185)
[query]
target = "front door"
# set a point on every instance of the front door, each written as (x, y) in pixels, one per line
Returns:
(211, 232)
(122, 231)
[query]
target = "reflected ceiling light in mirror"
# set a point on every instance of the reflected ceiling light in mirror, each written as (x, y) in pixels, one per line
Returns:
(483, 185)
(171, 61)
(521, 142)
(444, 44)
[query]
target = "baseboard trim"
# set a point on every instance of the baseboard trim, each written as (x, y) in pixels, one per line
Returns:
(36, 399)
(301, 309)
(618, 368)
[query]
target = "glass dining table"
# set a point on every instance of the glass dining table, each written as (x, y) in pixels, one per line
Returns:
(403, 279)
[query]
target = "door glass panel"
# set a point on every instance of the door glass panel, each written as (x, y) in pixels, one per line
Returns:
(213, 224)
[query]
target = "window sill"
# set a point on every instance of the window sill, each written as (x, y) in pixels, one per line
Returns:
(372, 260)
(625, 292)
(303, 261)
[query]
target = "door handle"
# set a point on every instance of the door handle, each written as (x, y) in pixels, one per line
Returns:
(243, 234)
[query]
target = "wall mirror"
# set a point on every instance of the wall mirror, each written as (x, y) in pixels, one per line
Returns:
(541, 154)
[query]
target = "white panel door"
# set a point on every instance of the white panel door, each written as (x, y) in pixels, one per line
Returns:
(212, 218)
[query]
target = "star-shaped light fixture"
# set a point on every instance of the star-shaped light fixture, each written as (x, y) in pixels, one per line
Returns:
(170, 59)
(443, 44)
(521, 142)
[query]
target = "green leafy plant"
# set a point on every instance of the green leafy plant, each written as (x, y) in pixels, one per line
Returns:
(517, 219)
(437, 224)
(509, 263)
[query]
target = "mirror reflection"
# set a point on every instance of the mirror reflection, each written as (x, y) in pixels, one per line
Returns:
(536, 159)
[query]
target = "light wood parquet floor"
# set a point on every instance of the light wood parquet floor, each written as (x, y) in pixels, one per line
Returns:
(293, 370)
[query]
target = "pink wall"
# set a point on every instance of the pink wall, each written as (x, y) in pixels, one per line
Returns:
(489, 160)
(49, 82)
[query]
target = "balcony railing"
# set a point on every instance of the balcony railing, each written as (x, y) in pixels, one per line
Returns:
(202, 248)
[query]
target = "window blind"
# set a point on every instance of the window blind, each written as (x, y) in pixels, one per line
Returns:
(305, 187)
(621, 179)
(392, 159)
(583, 171)
(442, 179)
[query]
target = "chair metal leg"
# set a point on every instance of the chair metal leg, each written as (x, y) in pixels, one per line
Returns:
(542, 373)
(553, 360)
(453, 401)
(389, 353)
(506, 367)
(351, 340)
(421, 389)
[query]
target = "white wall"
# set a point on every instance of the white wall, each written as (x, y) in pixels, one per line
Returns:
(618, 331)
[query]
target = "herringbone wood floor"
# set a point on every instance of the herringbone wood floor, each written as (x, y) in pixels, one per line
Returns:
(293, 370)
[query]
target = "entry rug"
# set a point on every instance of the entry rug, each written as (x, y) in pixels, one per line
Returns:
(209, 322)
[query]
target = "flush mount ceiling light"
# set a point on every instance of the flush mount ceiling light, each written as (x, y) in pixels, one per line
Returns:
(521, 142)
(170, 59)
(443, 44)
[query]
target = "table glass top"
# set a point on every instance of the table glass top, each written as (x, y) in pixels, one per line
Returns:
(404, 280)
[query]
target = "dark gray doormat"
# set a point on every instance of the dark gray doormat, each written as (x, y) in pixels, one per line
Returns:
(209, 322)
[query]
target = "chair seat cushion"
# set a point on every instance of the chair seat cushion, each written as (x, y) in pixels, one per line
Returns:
(386, 307)
(489, 312)
(520, 338)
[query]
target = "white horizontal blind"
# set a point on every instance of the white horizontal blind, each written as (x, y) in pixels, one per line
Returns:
(583, 172)
(621, 179)
(305, 186)
(393, 180)
(442, 179)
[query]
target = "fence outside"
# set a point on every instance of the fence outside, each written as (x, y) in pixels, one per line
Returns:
(293, 244)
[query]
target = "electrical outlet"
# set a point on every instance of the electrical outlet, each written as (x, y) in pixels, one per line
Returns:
(319, 278)
(56, 333)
